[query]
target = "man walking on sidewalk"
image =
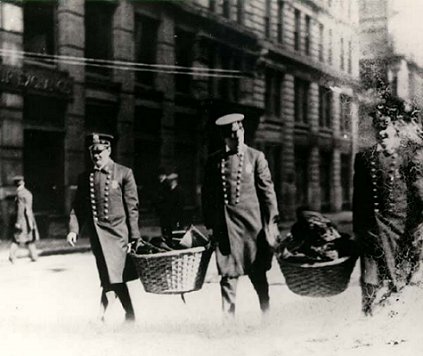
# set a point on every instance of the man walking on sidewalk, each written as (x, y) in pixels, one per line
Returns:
(105, 210)
(240, 210)
(25, 228)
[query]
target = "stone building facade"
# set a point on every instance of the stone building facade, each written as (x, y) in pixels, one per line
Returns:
(390, 53)
(290, 66)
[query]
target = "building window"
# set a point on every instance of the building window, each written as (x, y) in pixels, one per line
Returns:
(325, 107)
(345, 113)
(349, 57)
(147, 133)
(273, 93)
(341, 54)
(321, 39)
(212, 5)
(346, 180)
(146, 30)
(240, 11)
(297, 32)
(186, 149)
(325, 180)
(280, 29)
(301, 100)
(307, 35)
(226, 8)
(268, 18)
(301, 176)
(184, 43)
(330, 47)
(98, 34)
(39, 24)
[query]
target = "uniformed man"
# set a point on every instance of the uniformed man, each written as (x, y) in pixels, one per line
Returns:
(240, 210)
(386, 208)
(105, 210)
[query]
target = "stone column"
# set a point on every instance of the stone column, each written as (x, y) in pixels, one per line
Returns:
(11, 114)
(336, 189)
(314, 193)
(71, 39)
(165, 84)
(288, 189)
(124, 51)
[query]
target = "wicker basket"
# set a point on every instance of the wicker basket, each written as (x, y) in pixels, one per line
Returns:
(173, 272)
(322, 279)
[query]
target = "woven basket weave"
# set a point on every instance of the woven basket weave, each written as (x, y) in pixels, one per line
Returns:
(173, 272)
(322, 279)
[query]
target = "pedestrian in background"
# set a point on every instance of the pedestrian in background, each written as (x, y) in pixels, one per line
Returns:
(240, 212)
(174, 204)
(25, 231)
(105, 210)
(162, 192)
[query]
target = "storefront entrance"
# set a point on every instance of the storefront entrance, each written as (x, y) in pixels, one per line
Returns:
(44, 170)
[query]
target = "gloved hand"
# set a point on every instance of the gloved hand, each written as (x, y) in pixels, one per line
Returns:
(133, 245)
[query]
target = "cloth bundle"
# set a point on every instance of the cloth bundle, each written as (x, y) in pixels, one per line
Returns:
(189, 238)
(314, 238)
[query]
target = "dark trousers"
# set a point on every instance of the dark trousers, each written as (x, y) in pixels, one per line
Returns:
(33, 254)
(228, 287)
(122, 292)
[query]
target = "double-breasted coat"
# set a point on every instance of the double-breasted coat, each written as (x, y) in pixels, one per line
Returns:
(25, 229)
(239, 204)
(105, 210)
(386, 212)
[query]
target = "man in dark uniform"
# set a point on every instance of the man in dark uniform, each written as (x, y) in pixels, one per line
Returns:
(105, 210)
(240, 210)
(386, 208)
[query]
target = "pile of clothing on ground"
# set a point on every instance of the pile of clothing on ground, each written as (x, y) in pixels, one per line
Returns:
(314, 238)
(180, 240)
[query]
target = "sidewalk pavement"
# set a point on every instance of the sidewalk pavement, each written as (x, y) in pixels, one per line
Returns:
(47, 247)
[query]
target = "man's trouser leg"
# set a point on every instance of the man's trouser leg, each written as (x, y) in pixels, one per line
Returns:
(260, 284)
(12, 251)
(228, 287)
(33, 254)
(122, 292)
(369, 283)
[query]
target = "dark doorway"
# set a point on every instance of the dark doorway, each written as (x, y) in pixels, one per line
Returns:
(44, 169)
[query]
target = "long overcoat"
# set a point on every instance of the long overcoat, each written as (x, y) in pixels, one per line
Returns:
(386, 212)
(25, 229)
(105, 210)
(241, 213)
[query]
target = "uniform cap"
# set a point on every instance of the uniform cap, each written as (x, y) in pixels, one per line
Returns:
(99, 141)
(229, 119)
(18, 178)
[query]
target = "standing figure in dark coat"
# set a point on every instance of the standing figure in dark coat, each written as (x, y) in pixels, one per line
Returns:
(162, 192)
(173, 205)
(25, 230)
(105, 210)
(386, 211)
(240, 210)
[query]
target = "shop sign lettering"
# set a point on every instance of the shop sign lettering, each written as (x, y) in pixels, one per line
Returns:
(16, 79)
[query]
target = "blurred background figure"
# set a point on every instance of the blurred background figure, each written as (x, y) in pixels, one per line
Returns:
(162, 191)
(173, 207)
(25, 230)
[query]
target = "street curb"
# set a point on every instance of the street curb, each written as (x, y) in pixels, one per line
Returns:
(64, 251)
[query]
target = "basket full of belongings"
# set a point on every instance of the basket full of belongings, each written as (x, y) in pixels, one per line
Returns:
(176, 266)
(316, 259)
